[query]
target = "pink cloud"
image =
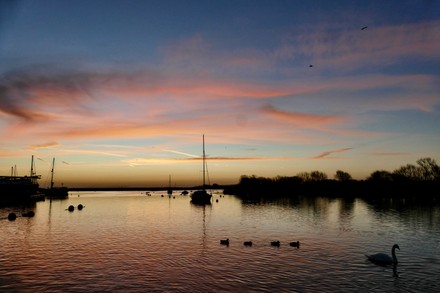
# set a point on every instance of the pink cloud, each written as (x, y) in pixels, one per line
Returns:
(341, 50)
(50, 104)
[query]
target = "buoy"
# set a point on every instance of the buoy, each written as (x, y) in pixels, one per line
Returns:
(71, 208)
(216, 200)
(80, 207)
(29, 214)
(275, 243)
(12, 216)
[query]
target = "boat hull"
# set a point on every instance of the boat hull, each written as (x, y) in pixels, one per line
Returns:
(201, 197)
(15, 189)
(56, 193)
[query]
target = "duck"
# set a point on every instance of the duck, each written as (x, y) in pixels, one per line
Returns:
(247, 243)
(294, 244)
(224, 241)
(275, 243)
(384, 259)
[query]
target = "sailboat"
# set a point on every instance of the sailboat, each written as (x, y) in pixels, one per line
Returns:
(201, 196)
(56, 192)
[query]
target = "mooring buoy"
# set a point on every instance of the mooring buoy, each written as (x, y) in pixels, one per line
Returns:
(29, 214)
(12, 216)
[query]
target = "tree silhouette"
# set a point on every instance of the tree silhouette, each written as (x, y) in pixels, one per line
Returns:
(408, 171)
(429, 169)
(342, 176)
(318, 176)
(305, 176)
(408, 181)
(381, 175)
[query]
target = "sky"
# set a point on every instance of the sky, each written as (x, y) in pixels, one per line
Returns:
(121, 92)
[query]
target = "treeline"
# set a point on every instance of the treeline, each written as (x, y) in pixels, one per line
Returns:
(420, 181)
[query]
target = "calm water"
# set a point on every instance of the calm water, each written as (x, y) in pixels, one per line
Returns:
(127, 241)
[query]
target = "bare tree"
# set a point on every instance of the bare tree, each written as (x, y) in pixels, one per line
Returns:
(305, 176)
(318, 176)
(409, 172)
(429, 169)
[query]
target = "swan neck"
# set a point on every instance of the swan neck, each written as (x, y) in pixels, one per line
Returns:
(393, 253)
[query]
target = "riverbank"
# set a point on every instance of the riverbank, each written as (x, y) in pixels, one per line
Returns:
(253, 188)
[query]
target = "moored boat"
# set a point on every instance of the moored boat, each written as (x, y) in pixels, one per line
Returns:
(201, 196)
(19, 189)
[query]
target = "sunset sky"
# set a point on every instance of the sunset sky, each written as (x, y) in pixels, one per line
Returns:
(120, 92)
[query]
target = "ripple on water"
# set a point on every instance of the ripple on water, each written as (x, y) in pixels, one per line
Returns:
(154, 244)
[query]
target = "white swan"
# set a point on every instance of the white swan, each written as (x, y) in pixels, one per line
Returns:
(385, 259)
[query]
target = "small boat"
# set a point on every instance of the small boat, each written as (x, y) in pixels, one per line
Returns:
(202, 197)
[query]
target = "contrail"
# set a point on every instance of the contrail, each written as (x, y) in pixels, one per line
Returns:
(42, 160)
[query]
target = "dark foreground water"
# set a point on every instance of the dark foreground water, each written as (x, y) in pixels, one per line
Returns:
(130, 242)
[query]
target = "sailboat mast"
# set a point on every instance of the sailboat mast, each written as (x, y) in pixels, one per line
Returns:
(51, 178)
(203, 161)
(32, 166)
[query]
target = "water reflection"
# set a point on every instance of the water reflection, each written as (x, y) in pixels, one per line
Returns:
(201, 219)
(151, 243)
(395, 273)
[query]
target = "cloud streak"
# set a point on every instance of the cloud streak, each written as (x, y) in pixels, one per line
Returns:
(160, 161)
(48, 145)
(300, 119)
(326, 154)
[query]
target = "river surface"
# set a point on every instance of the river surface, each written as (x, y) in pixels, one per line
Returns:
(132, 242)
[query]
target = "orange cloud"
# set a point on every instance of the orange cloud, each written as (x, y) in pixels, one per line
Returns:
(45, 145)
(301, 119)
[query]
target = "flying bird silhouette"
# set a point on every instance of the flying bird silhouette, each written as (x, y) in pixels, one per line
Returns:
(365, 27)
(310, 65)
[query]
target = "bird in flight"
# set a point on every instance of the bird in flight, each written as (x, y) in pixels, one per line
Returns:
(365, 27)
(310, 65)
